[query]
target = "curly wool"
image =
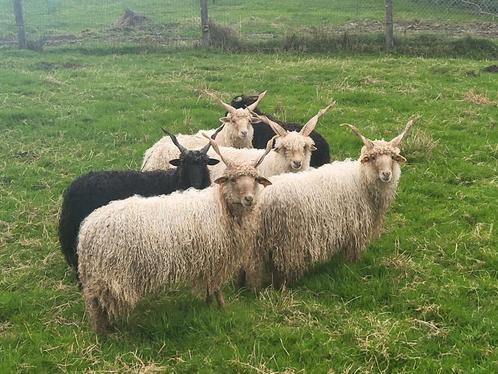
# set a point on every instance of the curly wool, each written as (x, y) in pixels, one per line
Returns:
(275, 162)
(138, 246)
(162, 152)
(96, 189)
(309, 217)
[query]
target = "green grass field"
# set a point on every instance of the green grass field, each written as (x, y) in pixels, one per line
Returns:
(423, 298)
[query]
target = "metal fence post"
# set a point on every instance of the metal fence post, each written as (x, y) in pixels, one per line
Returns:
(204, 22)
(389, 26)
(21, 32)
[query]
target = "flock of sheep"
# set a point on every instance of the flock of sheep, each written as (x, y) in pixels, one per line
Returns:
(208, 207)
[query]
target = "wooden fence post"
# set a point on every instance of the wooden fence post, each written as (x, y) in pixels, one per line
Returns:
(204, 22)
(21, 32)
(389, 25)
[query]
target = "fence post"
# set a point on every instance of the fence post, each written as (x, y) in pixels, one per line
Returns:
(389, 26)
(204, 22)
(21, 32)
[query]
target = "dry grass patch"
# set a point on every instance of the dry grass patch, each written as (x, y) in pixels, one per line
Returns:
(420, 143)
(475, 98)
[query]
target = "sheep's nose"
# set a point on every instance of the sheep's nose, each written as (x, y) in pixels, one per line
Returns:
(386, 175)
(248, 199)
(296, 164)
(243, 133)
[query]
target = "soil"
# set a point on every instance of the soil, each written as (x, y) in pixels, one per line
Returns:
(130, 19)
(484, 29)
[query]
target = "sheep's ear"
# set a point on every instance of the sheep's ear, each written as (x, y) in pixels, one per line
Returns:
(221, 180)
(364, 159)
(397, 140)
(262, 180)
(175, 162)
(224, 119)
(213, 161)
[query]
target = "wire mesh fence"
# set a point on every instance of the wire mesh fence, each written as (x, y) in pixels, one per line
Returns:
(177, 22)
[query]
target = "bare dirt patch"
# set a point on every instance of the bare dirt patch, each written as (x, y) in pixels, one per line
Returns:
(484, 29)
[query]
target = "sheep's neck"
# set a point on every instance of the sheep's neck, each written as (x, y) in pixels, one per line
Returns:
(380, 194)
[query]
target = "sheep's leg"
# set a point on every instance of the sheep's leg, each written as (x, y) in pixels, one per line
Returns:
(209, 297)
(219, 298)
(242, 279)
(279, 280)
(98, 316)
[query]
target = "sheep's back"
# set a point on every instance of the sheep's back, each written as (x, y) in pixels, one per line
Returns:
(309, 216)
(146, 243)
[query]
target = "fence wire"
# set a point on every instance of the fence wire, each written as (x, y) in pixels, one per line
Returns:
(174, 22)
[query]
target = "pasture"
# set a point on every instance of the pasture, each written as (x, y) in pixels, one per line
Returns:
(423, 297)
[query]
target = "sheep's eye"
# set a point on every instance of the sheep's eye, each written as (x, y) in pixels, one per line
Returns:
(372, 158)
(233, 180)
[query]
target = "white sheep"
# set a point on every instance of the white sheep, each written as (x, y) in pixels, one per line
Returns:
(138, 246)
(236, 131)
(291, 152)
(309, 217)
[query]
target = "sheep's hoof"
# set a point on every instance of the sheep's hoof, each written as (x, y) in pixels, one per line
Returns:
(220, 299)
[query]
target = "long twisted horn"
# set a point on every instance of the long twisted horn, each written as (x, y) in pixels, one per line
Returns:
(255, 104)
(227, 107)
(269, 147)
(277, 129)
(174, 140)
(397, 140)
(311, 124)
(367, 142)
(217, 150)
(205, 149)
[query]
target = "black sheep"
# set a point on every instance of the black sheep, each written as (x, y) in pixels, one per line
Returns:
(96, 189)
(263, 132)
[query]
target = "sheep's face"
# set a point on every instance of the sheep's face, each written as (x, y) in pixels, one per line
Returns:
(380, 158)
(192, 169)
(240, 185)
(238, 123)
(296, 149)
(381, 161)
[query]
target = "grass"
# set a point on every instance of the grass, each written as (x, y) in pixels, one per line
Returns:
(423, 298)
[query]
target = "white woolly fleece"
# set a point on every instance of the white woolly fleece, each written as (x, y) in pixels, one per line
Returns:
(163, 151)
(137, 246)
(309, 217)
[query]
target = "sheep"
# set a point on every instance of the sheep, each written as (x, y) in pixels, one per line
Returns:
(339, 208)
(236, 131)
(263, 132)
(97, 189)
(291, 153)
(138, 246)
